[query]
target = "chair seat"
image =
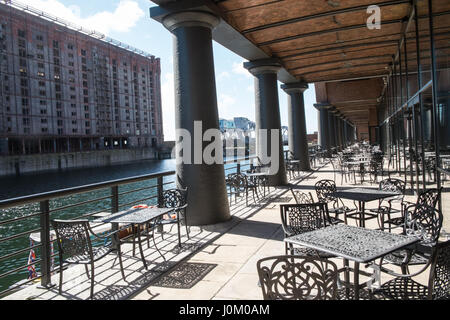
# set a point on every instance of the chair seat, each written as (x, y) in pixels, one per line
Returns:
(334, 220)
(340, 210)
(311, 252)
(384, 210)
(398, 221)
(397, 258)
(364, 294)
(98, 253)
(402, 289)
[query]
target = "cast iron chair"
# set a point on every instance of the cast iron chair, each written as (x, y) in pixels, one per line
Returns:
(426, 198)
(297, 278)
(424, 222)
(176, 199)
(336, 206)
(385, 207)
(240, 183)
(404, 287)
(300, 218)
(301, 197)
(75, 247)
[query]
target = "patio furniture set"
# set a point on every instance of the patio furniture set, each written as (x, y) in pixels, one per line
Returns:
(317, 233)
(134, 226)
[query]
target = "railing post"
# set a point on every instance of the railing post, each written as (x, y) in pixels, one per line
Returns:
(238, 167)
(114, 199)
(159, 189)
(45, 241)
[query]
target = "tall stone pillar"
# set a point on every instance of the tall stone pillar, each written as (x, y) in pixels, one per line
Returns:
(267, 113)
(323, 125)
(196, 101)
(298, 139)
(332, 126)
(344, 131)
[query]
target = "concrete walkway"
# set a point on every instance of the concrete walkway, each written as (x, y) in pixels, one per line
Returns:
(236, 252)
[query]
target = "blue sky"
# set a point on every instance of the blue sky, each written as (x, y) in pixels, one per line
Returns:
(128, 21)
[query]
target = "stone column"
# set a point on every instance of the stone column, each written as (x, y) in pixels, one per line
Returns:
(323, 125)
(332, 127)
(339, 130)
(196, 101)
(298, 140)
(344, 131)
(267, 113)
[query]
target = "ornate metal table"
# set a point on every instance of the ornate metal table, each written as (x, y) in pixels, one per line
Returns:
(362, 195)
(136, 218)
(352, 243)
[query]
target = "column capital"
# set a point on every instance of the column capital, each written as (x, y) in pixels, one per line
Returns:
(295, 87)
(323, 106)
(261, 66)
(334, 111)
(190, 19)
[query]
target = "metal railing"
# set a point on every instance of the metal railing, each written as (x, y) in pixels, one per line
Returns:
(31, 214)
(107, 192)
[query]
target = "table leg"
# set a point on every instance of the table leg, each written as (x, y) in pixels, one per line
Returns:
(362, 215)
(346, 278)
(140, 246)
(356, 280)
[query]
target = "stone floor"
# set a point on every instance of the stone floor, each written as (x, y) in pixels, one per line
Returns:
(217, 262)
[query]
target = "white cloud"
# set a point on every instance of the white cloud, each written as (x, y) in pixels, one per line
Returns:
(225, 101)
(238, 68)
(124, 17)
(223, 75)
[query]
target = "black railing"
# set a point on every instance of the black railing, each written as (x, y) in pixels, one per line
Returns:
(95, 198)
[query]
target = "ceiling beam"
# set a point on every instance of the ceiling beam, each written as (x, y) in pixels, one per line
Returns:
(321, 15)
(321, 32)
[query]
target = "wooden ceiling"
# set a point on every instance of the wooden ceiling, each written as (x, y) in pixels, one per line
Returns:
(328, 40)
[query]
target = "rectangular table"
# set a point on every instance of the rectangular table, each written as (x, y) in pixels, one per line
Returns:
(362, 195)
(136, 217)
(357, 244)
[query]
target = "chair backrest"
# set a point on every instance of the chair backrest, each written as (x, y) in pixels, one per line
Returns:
(429, 197)
(323, 187)
(301, 197)
(439, 281)
(297, 278)
(424, 221)
(73, 238)
(299, 218)
(391, 184)
(237, 181)
(174, 198)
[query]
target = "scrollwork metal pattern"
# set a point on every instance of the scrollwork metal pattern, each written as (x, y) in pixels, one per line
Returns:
(360, 244)
(174, 198)
(297, 278)
(302, 197)
(424, 222)
(73, 239)
(441, 283)
(301, 218)
(323, 189)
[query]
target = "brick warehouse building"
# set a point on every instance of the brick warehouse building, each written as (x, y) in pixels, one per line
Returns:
(65, 89)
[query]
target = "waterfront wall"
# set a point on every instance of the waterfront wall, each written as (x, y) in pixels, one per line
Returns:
(14, 165)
